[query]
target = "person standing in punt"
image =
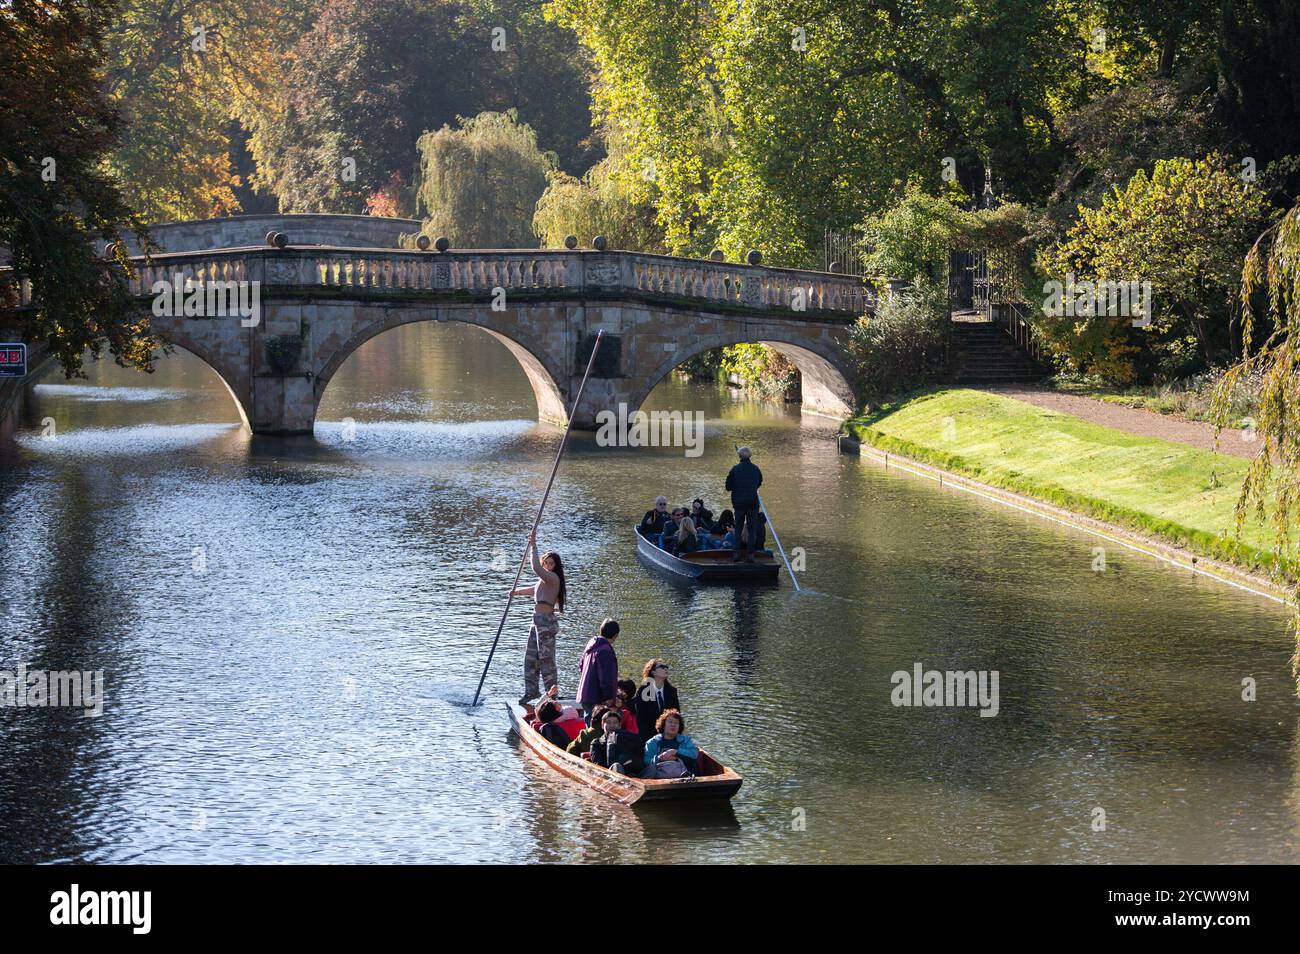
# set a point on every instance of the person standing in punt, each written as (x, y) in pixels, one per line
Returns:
(743, 481)
(656, 696)
(548, 598)
(598, 682)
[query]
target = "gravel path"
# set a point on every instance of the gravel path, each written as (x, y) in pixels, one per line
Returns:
(1133, 420)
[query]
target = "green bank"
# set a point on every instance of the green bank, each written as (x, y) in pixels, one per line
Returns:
(1172, 492)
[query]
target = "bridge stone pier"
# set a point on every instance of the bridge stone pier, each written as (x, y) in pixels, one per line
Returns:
(319, 303)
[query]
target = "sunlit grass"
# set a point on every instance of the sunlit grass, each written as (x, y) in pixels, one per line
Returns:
(1180, 494)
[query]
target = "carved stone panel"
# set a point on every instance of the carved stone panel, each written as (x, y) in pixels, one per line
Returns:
(281, 272)
(604, 273)
(442, 275)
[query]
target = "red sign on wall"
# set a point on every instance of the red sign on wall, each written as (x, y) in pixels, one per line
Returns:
(13, 360)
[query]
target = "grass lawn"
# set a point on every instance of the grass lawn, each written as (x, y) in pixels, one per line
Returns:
(1180, 494)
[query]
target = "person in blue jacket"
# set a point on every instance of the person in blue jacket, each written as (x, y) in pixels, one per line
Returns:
(670, 746)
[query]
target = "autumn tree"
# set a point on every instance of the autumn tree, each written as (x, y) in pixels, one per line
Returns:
(56, 198)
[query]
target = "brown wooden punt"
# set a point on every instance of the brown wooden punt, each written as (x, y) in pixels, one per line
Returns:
(715, 781)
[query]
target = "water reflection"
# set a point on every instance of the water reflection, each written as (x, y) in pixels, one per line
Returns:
(291, 628)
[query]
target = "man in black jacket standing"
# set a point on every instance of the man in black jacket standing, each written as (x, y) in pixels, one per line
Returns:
(743, 481)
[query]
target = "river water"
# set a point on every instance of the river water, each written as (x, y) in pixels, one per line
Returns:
(290, 631)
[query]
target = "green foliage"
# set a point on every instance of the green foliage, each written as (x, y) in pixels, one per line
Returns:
(904, 345)
(1272, 484)
(56, 129)
(759, 368)
(1109, 140)
(913, 239)
(704, 367)
(1184, 228)
(745, 133)
(597, 204)
(479, 184)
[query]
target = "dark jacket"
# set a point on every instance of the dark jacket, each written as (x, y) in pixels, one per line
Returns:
(648, 709)
(704, 520)
(628, 749)
(599, 677)
(653, 522)
(689, 545)
(743, 481)
(554, 734)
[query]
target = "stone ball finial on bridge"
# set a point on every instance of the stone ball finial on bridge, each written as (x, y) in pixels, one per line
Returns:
(599, 243)
(281, 240)
(755, 257)
(570, 242)
(422, 243)
(442, 243)
(717, 255)
(270, 237)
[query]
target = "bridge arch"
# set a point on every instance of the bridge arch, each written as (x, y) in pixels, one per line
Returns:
(823, 367)
(506, 329)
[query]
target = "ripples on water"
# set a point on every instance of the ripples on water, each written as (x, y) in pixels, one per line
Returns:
(291, 629)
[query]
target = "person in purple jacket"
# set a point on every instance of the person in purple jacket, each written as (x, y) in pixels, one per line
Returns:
(599, 679)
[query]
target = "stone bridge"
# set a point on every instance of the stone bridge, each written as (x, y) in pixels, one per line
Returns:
(319, 303)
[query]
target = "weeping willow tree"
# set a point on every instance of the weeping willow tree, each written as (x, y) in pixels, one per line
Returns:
(479, 184)
(1270, 305)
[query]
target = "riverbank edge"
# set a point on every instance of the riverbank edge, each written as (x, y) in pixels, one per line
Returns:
(1178, 549)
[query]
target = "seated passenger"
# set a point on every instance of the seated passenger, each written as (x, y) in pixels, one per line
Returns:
(725, 527)
(761, 535)
(617, 748)
(655, 696)
(582, 742)
(671, 528)
(652, 524)
(686, 541)
(670, 754)
(548, 714)
(624, 702)
(703, 517)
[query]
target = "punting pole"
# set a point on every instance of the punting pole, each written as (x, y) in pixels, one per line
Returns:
(762, 506)
(573, 411)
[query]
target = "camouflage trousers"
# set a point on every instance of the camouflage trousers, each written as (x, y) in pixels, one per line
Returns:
(540, 655)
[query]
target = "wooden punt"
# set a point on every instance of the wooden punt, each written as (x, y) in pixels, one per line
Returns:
(710, 566)
(715, 781)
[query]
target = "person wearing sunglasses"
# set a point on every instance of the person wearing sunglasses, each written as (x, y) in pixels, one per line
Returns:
(655, 696)
(655, 521)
